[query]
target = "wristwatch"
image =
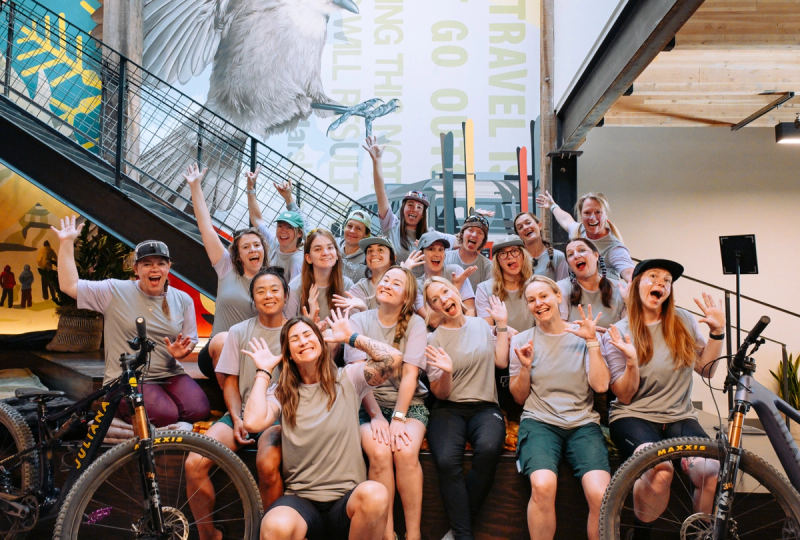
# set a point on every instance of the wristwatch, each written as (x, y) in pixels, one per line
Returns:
(397, 415)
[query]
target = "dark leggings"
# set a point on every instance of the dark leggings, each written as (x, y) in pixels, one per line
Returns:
(7, 293)
(451, 425)
(630, 433)
(167, 401)
(206, 364)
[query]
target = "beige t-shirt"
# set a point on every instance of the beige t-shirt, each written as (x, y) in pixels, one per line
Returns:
(519, 316)
(365, 291)
(610, 315)
(293, 307)
(322, 458)
(471, 349)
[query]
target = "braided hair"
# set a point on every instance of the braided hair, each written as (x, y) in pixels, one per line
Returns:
(164, 303)
(606, 288)
(406, 312)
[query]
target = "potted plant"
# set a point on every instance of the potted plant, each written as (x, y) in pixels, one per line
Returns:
(792, 397)
(98, 256)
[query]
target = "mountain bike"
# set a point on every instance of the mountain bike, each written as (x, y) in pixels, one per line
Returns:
(655, 493)
(136, 489)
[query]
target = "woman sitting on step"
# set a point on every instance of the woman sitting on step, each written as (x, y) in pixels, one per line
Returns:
(170, 395)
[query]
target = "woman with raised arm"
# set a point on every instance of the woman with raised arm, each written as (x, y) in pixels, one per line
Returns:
(393, 418)
(471, 240)
(269, 291)
(462, 354)
(405, 229)
(312, 292)
(235, 267)
(170, 395)
(546, 260)
(511, 269)
(554, 367)
(362, 296)
(652, 355)
(327, 491)
(588, 284)
(283, 245)
(593, 210)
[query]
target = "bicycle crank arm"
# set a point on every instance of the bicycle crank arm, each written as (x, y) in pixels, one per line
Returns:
(14, 509)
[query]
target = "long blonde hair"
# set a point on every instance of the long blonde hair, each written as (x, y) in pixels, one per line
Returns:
(446, 283)
(406, 312)
(600, 199)
(525, 273)
(288, 391)
(679, 340)
(336, 283)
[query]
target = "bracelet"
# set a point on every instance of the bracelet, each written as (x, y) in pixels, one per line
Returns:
(250, 191)
(503, 329)
(352, 341)
(718, 337)
(592, 344)
(264, 371)
(553, 206)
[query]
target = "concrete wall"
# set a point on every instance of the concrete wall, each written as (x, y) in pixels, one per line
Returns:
(674, 191)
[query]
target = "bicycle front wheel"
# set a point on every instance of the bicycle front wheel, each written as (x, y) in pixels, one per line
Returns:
(16, 478)
(107, 501)
(664, 484)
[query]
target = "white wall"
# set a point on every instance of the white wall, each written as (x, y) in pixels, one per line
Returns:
(674, 191)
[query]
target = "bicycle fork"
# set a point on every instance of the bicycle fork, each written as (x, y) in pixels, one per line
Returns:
(147, 471)
(726, 481)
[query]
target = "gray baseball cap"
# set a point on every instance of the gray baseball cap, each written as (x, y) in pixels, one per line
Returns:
(364, 243)
(429, 238)
(508, 241)
(151, 247)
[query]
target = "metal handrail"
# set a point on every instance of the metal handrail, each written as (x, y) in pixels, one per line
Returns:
(147, 130)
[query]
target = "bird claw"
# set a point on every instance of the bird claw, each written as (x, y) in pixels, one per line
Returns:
(366, 109)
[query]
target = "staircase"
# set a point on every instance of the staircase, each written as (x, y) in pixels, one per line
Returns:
(111, 140)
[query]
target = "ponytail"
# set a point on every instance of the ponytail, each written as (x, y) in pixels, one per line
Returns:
(606, 289)
(550, 266)
(164, 303)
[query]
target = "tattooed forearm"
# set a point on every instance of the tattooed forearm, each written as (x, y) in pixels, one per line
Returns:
(381, 361)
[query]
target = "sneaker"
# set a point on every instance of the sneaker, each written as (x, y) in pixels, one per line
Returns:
(449, 535)
(181, 426)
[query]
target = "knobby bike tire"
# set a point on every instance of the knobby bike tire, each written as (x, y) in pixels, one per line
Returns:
(107, 499)
(15, 436)
(786, 499)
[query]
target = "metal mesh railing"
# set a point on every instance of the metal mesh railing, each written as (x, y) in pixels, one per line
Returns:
(148, 131)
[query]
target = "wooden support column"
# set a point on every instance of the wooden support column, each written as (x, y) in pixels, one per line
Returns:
(547, 109)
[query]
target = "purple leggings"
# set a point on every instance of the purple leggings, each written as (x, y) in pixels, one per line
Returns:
(167, 401)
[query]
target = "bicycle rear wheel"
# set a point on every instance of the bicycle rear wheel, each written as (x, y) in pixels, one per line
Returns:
(765, 505)
(15, 479)
(107, 500)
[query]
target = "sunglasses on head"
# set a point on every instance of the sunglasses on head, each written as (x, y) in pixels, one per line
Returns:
(477, 219)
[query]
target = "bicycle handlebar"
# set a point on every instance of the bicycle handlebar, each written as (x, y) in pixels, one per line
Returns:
(141, 328)
(752, 338)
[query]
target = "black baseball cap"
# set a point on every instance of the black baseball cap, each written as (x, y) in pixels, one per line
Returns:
(151, 247)
(665, 264)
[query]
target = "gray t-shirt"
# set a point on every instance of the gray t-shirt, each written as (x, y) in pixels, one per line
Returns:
(322, 459)
(541, 262)
(610, 315)
(664, 394)
(471, 348)
(365, 291)
(121, 302)
(292, 263)
(560, 392)
(390, 225)
(614, 253)
(354, 264)
(483, 264)
(465, 291)
(519, 316)
(412, 346)
(293, 307)
(233, 362)
(233, 303)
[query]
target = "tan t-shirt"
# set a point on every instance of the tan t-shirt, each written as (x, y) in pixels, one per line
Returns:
(519, 316)
(322, 458)
(471, 348)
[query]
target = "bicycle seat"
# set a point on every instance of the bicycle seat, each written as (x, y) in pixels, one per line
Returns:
(37, 394)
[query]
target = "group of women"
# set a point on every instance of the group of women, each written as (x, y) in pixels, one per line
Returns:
(411, 316)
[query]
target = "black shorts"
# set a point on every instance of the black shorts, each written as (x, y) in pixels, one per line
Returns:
(206, 364)
(630, 433)
(325, 521)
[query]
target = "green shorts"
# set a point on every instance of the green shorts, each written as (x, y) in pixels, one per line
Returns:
(541, 446)
(417, 412)
(228, 421)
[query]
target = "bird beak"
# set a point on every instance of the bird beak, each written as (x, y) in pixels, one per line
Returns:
(349, 5)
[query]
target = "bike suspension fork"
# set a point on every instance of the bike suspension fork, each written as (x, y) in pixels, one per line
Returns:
(147, 469)
(726, 482)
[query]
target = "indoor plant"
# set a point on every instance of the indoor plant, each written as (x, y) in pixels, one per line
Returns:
(792, 397)
(98, 256)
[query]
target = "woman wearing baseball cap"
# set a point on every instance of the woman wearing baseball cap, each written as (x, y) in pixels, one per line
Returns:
(357, 227)
(652, 355)
(379, 253)
(170, 395)
(471, 240)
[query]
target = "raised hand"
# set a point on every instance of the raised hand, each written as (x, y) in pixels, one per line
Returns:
(484, 213)
(313, 304)
(180, 348)
(624, 286)
(438, 358)
(458, 280)
(194, 175)
(261, 355)
(398, 434)
(251, 177)
(415, 258)
(372, 148)
(713, 315)
(544, 200)
(525, 354)
(284, 189)
(339, 323)
(239, 433)
(498, 311)
(349, 304)
(625, 346)
(587, 326)
(68, 231)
